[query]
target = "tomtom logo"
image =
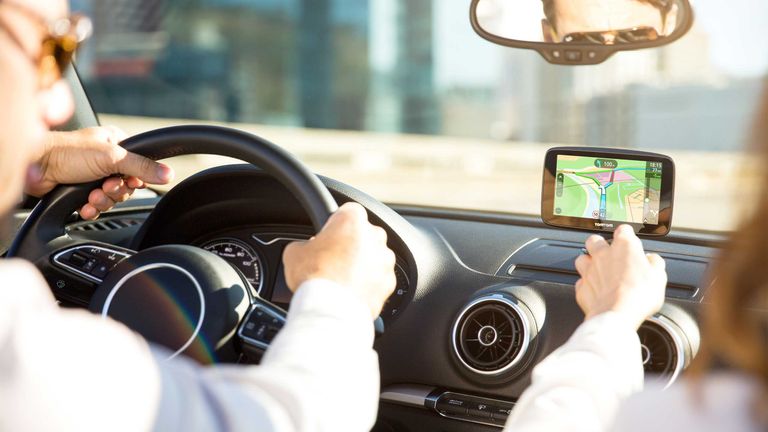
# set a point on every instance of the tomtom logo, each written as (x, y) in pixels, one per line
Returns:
(603, 225)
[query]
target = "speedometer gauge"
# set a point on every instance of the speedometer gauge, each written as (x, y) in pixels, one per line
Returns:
(241, 256)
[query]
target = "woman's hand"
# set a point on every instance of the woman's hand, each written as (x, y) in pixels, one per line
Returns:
(620, 277)
(92, 154)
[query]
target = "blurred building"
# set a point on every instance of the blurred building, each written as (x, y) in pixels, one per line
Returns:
(410, 66)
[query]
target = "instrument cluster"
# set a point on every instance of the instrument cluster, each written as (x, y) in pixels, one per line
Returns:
(257, 255)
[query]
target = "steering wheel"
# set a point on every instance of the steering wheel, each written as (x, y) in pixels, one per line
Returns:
(189, 300)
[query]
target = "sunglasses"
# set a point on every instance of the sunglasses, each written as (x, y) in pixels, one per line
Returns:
(59, 44)
(612, 37)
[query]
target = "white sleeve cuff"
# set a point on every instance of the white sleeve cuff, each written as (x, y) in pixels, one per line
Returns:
(322, 298)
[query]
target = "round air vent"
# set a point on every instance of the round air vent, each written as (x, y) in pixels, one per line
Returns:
(663, 347)
(491, 335)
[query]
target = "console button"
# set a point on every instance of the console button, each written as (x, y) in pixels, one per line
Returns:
(479, 410)
(500, 414)
(452, 406)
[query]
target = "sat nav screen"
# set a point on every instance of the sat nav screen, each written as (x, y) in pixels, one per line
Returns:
(608, 189)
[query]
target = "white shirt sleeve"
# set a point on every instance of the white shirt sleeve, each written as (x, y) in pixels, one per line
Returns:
(69, 370)
(581, 385)
(319, 374)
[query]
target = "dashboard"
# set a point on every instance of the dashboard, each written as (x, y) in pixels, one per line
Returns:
(481, 297)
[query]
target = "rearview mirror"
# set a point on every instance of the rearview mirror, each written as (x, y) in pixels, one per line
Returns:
(579, 32)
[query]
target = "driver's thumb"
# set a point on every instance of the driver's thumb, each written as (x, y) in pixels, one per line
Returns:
(145, 169)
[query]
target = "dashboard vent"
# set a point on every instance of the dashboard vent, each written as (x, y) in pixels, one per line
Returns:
(662, 350)
(105, 224)
(491, 335)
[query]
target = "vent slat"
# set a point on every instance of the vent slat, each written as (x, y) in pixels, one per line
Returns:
(110, 224)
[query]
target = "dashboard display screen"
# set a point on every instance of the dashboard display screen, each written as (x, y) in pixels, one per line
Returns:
(598, 189)
(608, 189)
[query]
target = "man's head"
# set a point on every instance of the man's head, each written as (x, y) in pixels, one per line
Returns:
(29, 109)
(564, 17)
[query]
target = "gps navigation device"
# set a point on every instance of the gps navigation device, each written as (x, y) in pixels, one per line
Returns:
(598, 189)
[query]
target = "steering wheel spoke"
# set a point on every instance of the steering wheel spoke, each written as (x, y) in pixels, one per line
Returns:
(90, 261)
(75, 272)
(260, 326)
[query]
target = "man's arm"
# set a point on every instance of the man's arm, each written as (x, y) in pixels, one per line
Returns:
(71, 370)
(320, 374)
(68, 370)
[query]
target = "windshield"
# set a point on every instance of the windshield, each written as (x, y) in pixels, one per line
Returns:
(402, 100)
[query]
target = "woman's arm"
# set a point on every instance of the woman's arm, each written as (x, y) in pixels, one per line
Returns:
(581, 385)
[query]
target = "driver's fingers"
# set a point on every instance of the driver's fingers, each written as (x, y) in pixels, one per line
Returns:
(135, 183)
(100, 201)
(595, 244)
(116, 189)
(88, 212)
(379, 234)
(148, 170)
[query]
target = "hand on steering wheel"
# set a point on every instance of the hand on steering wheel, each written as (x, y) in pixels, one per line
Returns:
(91, 154)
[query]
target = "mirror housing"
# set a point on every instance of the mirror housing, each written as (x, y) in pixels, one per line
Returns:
(591, 46)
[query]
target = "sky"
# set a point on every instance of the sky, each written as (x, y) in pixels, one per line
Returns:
(738, 32)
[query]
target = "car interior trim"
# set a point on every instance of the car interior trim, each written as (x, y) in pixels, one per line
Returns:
(275, 240)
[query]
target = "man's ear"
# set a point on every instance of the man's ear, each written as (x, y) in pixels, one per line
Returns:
(547, 31)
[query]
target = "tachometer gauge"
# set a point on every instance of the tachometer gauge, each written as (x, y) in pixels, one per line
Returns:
(241, 256)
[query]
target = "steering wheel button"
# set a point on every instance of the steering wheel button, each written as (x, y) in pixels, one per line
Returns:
(100, 271)
(89, 265)
(270, 333)
(77, 260)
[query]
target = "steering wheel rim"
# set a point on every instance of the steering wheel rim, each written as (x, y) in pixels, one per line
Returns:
(47, 220)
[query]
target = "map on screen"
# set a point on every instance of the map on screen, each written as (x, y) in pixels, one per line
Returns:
(608, 189)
